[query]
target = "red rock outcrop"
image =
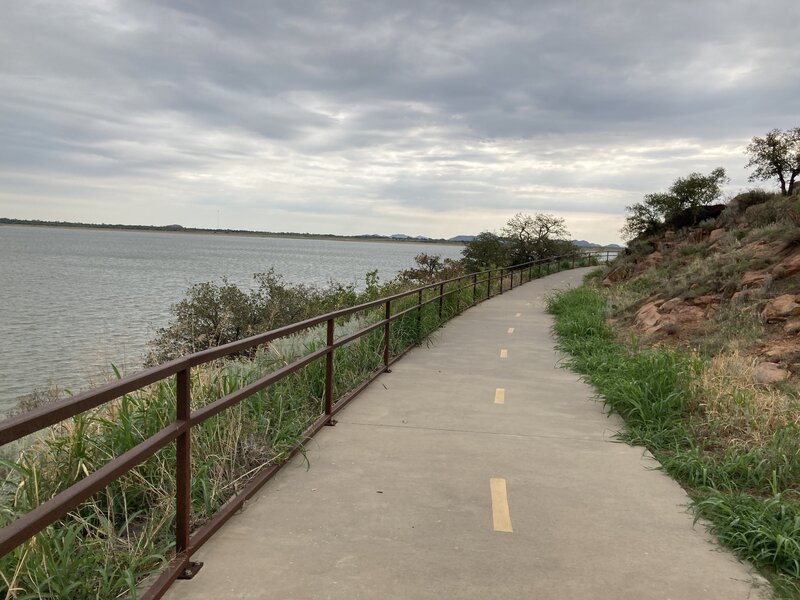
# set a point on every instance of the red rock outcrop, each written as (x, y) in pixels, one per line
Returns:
(666, 316)
(715, 235)
(781, 308)
(767, 373)
(752, 279)
(787, 267)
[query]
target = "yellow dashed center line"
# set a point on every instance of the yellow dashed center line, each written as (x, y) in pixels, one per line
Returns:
(510, 330)
(501, 517)
(500, 396)
(503, 353)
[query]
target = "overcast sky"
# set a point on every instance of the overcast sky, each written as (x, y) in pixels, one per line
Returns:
(431, 118)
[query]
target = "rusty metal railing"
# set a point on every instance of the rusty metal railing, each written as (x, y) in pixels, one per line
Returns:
(178, 432)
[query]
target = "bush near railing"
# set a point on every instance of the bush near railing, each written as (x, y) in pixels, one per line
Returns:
(84, 516)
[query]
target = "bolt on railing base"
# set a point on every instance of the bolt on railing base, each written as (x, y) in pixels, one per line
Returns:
(191, 570)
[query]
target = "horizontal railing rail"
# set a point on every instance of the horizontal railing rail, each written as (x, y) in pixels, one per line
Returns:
(179, 431)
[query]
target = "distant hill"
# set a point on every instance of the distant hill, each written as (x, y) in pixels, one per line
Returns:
(176, 228)
(585, 244)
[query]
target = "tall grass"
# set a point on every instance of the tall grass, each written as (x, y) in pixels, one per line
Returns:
(750, 492)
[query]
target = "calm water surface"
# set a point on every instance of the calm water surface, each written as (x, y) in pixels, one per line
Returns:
(74, 301)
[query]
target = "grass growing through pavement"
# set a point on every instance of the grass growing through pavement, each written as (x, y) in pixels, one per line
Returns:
(740, 466)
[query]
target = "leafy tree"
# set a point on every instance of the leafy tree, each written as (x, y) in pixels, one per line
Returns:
(524, 238)
(696, 190)
(644, 218)
(486, 251)
(531, 237)
(210, 315)
(213, 314)
(682, 203)
(777, 154)
(430, 268)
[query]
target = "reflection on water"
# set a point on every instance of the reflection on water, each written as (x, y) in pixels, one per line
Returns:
(73, 301)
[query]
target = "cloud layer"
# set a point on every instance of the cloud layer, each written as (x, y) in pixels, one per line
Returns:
(433, 118)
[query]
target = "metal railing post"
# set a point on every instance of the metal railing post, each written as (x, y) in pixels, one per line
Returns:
(511, 283)
(441, 300)
(386, 329)
(329, 371)
(501, 280)
(419, 316)
(489, 285)
(183, 470)
(474, 289)
(458, 295)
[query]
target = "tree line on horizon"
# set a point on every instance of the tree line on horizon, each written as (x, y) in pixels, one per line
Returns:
(212, 314)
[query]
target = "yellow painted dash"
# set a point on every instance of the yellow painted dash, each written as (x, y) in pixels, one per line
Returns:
(501, 517)
(510, 330)
(500, 396)
(503, 353)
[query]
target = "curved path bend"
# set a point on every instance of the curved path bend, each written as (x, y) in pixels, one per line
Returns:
(476, 469)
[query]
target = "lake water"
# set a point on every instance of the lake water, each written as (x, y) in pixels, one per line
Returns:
(73, 301)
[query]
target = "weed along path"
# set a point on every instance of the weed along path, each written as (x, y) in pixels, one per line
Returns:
(476, 469)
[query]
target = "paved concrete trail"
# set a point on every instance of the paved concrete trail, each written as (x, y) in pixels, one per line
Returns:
(476, 469)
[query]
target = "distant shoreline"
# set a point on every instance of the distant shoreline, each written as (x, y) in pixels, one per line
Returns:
(227, 232)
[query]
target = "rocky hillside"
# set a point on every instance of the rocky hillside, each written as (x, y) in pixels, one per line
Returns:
(729, 285)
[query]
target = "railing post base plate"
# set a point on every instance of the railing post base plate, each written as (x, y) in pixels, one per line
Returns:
(332, 423)
(191, 570)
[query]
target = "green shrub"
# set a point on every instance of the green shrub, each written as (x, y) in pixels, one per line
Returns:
(739, 204)
(762, 531)
(213, 314)
(776, 209)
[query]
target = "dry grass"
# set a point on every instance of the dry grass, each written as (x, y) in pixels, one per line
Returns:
(738, 412)
(734, 328)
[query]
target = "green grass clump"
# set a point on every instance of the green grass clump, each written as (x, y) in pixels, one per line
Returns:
(646, 387)
(748, 491)
(764, 530)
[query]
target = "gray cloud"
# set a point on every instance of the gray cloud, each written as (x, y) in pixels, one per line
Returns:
(433, 117)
